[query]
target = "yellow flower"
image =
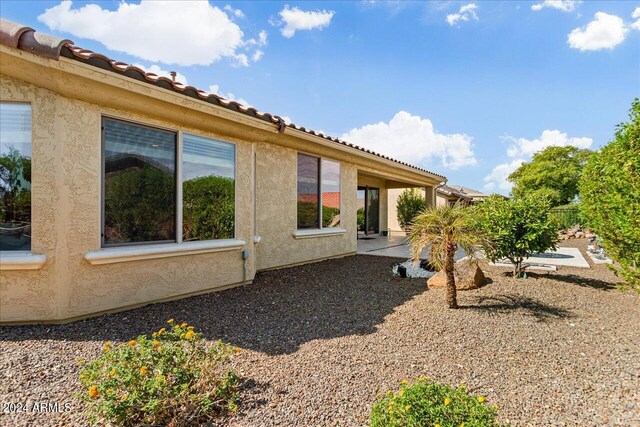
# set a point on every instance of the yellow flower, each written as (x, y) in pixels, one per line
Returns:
(462, 425)
(181, 336)
(190, 328)
(108, 343)
(447, 401)
(132, 343)
(462, 387)
(405, 382)
(155, 343)
(238, 350)
(170, 321)
(162, 331)
(184, 325)
(437, 425)
(176, 326)
(81, 361)
(425, 378)
(106, 349)
(112, 372)
(159, 378)
(93, 391)
(400, 393)
(480, 399)
(143, 370)
(125, 396)
(155, 334)
(406, 408)
(189, 335)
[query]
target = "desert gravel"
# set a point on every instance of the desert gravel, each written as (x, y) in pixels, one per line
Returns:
(320, 341)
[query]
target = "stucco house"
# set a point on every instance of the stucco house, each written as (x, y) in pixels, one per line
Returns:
(124, 188)
(446, 195)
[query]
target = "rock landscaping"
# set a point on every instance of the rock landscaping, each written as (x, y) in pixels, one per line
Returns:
(319, 342)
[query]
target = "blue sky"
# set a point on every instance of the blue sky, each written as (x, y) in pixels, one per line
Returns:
(466, 89)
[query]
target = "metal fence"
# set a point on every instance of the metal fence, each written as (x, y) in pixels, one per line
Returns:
(566, 217)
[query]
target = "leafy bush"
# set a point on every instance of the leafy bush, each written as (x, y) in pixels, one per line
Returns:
(360, 214)
(209, 208)
(516, 228)
(610, 193)
(410, 203)
(174, 378)
(426, 403)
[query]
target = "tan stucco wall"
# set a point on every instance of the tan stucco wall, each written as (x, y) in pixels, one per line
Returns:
(276, 212)
(68, 100)
(66, 169)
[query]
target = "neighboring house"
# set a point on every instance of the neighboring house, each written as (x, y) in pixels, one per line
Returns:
(143, 189)
(469, 193)
(446, 195)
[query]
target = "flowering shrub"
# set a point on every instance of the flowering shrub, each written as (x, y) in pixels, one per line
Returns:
(426, 403)
(174, 378)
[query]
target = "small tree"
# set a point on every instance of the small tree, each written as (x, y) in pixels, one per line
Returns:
(517, 228)
(410, 203)
(554, 172)
(443, 229)
(610, 194)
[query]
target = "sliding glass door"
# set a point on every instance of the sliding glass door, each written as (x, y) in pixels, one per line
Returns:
(368, 210)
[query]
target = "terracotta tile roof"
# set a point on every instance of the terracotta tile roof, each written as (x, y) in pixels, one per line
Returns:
(25, 38)
(450, 191)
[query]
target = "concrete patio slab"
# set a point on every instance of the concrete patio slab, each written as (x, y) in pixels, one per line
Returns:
(566, 257)
(391, 246)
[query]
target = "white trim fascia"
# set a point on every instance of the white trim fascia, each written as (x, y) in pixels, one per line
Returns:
(21, 260)
(163, 250)
(318, 232)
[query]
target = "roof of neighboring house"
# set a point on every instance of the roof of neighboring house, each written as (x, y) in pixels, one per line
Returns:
(25, 38)
(469, 192)
(450, 191)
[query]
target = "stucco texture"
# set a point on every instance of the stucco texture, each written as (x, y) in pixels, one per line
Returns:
(276, 212)
(66, 188)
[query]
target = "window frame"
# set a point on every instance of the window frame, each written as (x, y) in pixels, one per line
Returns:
(321, 191)
(178, 182)
(23, 252)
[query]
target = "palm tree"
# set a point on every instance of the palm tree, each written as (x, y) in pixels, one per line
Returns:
(443, 229)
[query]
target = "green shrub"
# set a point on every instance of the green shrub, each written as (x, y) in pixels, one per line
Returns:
(208, 208)
(426, 403)
(410, 203)
(610, 198)
(516, 228)
(360, 214)
(174, 378)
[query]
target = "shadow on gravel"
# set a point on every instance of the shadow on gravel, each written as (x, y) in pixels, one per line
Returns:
(511, 303)
(580, 281)
(279, 312)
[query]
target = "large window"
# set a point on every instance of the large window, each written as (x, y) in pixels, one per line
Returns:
(208, 189)
(139, 183)
(318, 192)
(15, 177)
(141, 179)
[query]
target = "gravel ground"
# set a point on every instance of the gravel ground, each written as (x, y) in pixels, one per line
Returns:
(319, 341)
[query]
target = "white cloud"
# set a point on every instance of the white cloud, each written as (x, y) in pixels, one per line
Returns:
(523, 149)
(527, 147)
(604, 32)
(170, 32)
(466, 13)
(229, 96)
(163, 73)
(295, 19)
(497, 179)
(636, 15)
(257, 55)
(236, 12)
(563, 5)
(414, 140)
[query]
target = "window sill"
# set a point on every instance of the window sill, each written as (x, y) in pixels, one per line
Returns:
(163, 250)
(318, 232)
(21, 260)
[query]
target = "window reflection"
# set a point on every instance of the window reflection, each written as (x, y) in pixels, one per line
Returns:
(15, 177)
(330, 193)
(308, 193)
(208, 189)
(139, 183)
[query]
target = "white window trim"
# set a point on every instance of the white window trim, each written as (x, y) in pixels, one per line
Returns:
(118, 254)
(21, 260)
(307, 233)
